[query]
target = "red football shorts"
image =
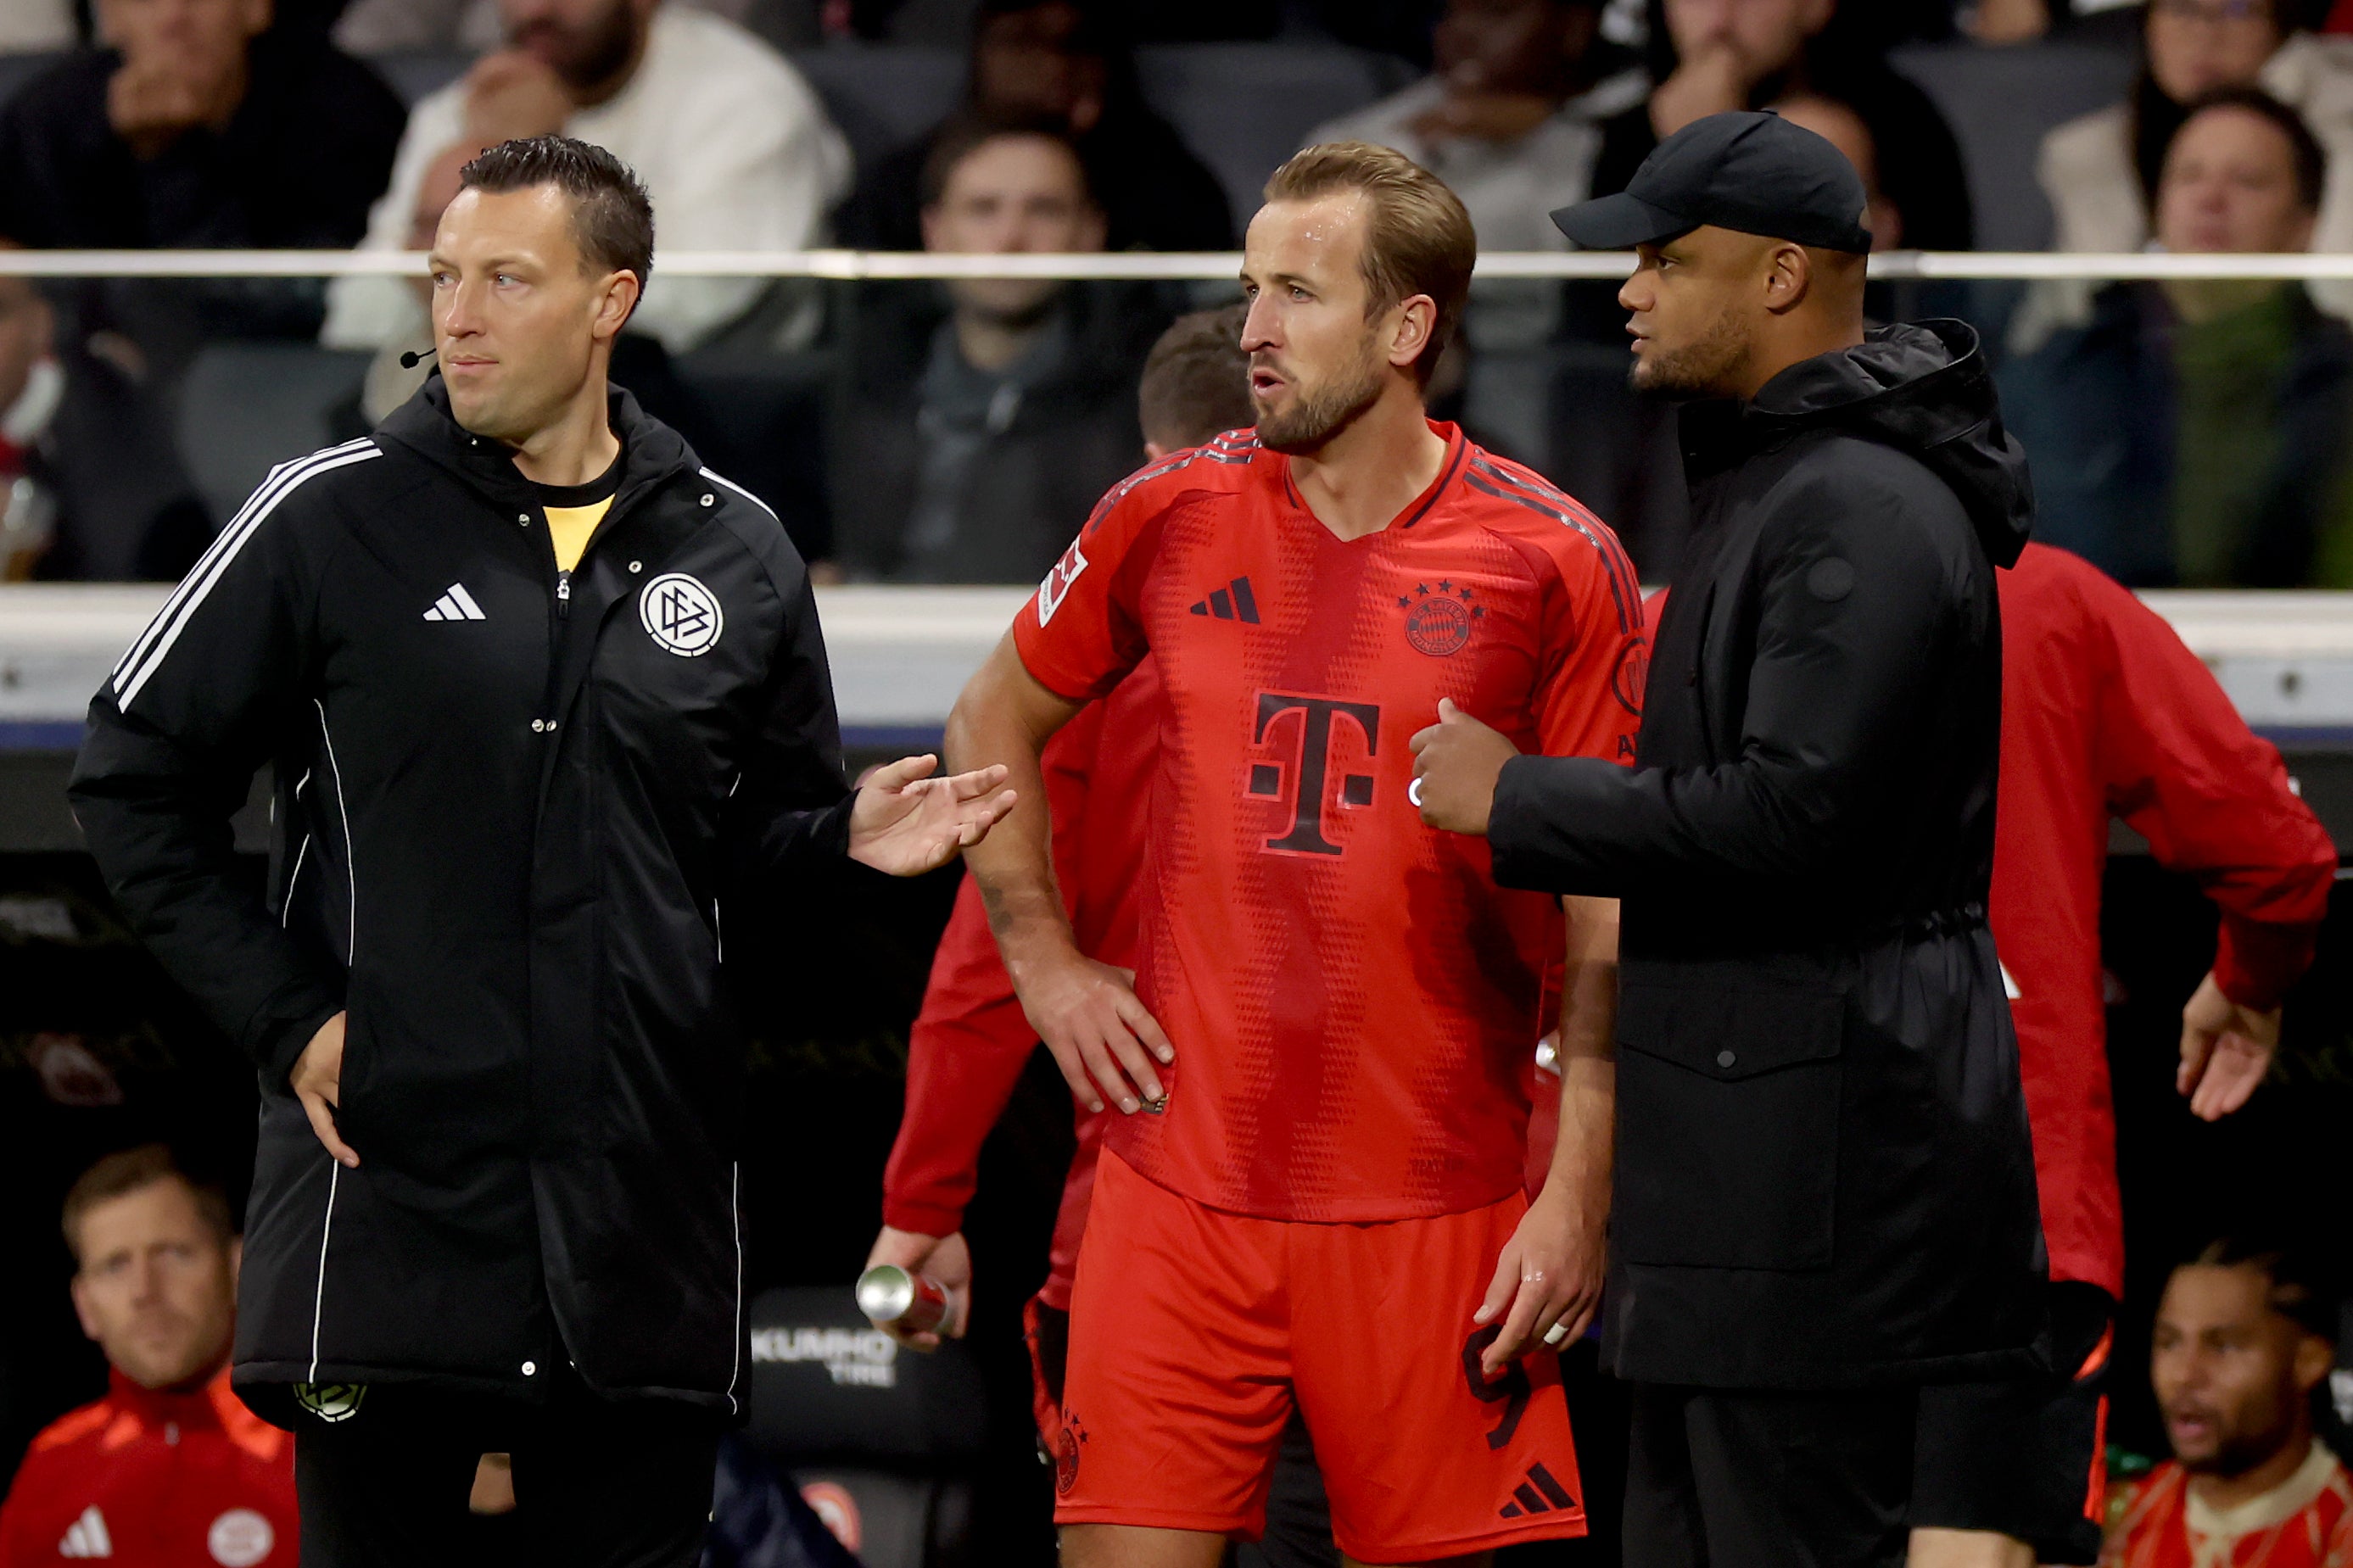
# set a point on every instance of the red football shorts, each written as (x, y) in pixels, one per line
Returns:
(1193, 1330)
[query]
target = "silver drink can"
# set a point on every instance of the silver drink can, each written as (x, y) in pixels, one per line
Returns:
(896, 1298)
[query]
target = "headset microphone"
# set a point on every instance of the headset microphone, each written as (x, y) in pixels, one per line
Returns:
(415, 357)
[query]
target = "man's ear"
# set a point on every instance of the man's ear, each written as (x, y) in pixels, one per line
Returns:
(82, 1309)
(2315, 1359)
(1412, 337)
(1789, 278)
(619, 301)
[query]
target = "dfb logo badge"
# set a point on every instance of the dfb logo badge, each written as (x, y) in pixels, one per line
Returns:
(1438, 624)
(681, 615)
(330, 1401)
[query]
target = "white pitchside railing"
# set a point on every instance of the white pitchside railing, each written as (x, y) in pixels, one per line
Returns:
(1894, 265)
(900, 655)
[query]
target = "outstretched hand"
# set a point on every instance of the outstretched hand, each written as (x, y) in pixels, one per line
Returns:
(907, 822)
(2226, 1050)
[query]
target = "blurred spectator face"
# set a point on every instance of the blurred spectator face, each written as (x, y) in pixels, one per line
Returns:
(2233, 1376)
(1843, 129)
(157, 1285)
(587, 43)
(199, 41)
(2229, 186)
(1511, 46)
(515, 310)
(26, 331)
(1762, 35)
(1032, 63)
(2198, 46)
(1315, 360)
(1013, 196)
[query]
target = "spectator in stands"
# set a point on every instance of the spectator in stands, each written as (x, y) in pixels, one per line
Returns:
(2196, 432)
(90, 486)
(1715, 55)
(198, 126)
(1064, 63)
(728, 138)
(978, 440)
(1845, 129)
(472, 26)
(170, 1466)
(1510, 118)
(2243, 1337)
(2101, 172)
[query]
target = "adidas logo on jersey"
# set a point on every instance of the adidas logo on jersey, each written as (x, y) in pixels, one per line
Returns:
(1540, 1493)
(87, 1537)
(1232, 603)
(456, 605)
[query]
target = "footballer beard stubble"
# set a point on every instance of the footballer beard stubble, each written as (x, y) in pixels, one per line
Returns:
(1323, 413)
(1700, 369)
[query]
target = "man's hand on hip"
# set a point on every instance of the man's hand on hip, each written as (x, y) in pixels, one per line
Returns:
(947, 1261)
(907, 822)
(317, 1081)
(1456, 764)
(1102, 1038)
(1548, 1281)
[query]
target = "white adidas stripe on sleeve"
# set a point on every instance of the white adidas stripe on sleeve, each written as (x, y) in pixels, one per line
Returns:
(147, 655)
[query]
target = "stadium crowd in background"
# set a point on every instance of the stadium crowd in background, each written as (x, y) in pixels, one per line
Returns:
(977, 432)
(2196, 432)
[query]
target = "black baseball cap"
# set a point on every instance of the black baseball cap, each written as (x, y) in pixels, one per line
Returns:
(1748, 171)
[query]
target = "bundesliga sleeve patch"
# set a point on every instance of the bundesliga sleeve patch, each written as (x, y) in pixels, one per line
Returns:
(1056, 586)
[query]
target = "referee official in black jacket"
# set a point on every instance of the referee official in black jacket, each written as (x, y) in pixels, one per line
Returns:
(545, 699)
(1826, 1252)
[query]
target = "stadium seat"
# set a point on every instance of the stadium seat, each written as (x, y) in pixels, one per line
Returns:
(882, 97)
(867, 1428)
(16, 70)
(2001, 103)
(1244, 107)
(247, 407)
(415, 73)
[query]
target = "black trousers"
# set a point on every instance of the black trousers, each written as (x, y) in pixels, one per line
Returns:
(1720, 1479)
(597, 1484)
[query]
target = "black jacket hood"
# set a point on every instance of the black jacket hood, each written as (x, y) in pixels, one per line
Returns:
(1923, 388)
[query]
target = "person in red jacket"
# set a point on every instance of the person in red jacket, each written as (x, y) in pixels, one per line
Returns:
(2105, 713)
(971, 1041)
(169, 1470)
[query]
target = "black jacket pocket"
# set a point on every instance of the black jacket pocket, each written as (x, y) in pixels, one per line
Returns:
(1727, 1123)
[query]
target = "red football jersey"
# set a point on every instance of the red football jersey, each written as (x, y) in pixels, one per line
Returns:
(155, 1479)
(2305, 1523)
(1350, 995)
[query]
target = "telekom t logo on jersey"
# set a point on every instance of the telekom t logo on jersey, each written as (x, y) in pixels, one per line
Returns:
(1311, 764)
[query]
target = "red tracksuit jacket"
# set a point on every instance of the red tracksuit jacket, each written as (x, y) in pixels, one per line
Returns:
(143, 1479)
(2104, 713)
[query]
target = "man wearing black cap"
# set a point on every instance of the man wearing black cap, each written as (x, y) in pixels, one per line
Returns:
(1824, 1228)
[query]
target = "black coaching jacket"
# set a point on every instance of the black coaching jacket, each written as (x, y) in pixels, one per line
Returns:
(511, 809)
(1824, 1177)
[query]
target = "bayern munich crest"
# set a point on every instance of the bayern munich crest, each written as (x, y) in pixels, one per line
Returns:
(1439, 617)
(681, 615)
